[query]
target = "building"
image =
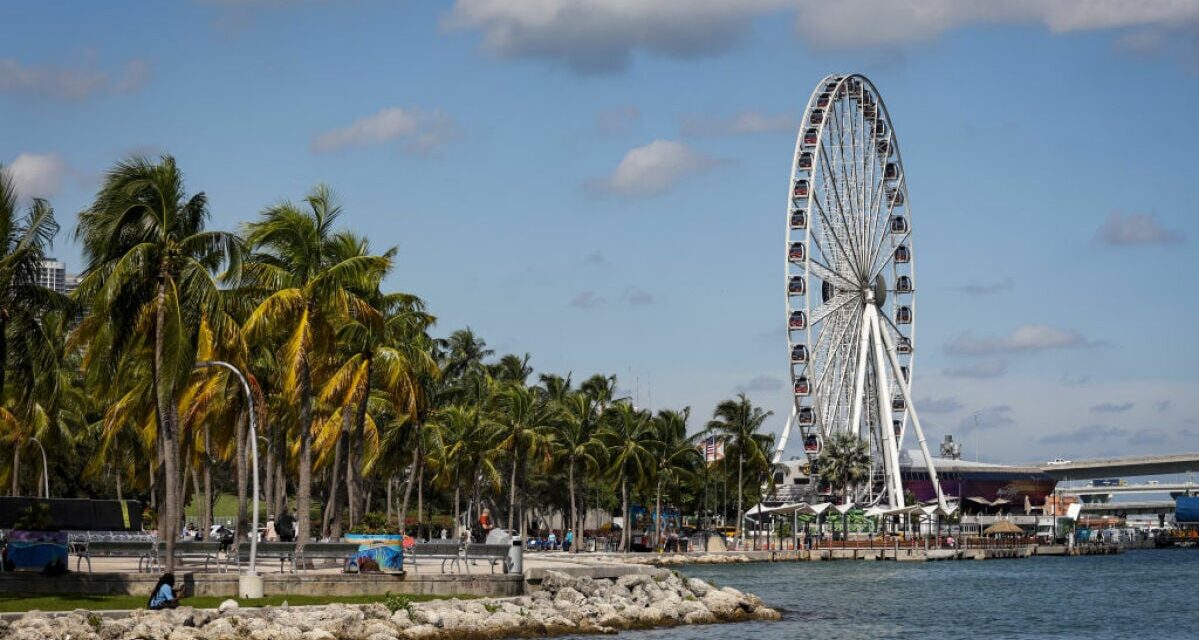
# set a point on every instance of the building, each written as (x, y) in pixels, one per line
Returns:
(53, 275)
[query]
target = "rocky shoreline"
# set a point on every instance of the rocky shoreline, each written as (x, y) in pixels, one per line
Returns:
(563, 605)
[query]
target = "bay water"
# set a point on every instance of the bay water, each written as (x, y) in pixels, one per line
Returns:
(1138, 594)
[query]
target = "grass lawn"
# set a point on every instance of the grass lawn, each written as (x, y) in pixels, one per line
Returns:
(16, 602)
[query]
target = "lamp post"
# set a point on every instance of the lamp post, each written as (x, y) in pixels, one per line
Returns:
(250, 584)
(45, 468)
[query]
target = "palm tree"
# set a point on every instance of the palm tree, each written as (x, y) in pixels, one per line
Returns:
(577, 443)
(845, 464)
(24, 239)
(528, 422)
(629, 435)
(381, 339)
(675, 454)
(305, 279)
(150, 275)
(738, 423)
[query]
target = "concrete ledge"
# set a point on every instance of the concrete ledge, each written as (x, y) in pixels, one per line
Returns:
(225, 584)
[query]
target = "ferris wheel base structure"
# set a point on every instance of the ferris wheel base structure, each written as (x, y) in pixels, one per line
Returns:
(850, 286)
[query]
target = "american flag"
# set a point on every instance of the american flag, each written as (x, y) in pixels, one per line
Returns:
(713, 449)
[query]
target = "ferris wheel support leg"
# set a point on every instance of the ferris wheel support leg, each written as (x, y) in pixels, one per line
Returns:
(886, 435)
(778, 451)
(905, 390)
(859, 383)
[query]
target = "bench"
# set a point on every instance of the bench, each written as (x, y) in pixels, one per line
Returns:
(461, 555)
(205, 550)
(284, 552)
(339, 551)
(143, 550)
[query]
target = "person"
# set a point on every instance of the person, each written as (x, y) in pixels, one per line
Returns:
(951, 542)
(271, 534)
(553, 540)
(570, 539)
(485, 521)
(444, 534)
(163, 596)
(286, 527)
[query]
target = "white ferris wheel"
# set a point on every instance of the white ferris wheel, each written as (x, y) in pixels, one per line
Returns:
(850, 283)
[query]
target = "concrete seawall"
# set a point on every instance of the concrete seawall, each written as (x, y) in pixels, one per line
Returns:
(315, 584)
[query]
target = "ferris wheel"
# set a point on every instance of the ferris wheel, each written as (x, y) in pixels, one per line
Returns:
(850, 283)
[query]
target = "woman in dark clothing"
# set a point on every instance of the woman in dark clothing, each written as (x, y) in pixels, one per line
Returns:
(163, 596)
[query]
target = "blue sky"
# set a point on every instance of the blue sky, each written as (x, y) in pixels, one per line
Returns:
(600, 183)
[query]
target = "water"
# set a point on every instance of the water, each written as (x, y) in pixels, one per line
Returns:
(1142, 594)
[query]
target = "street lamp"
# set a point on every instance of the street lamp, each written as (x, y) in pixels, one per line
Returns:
(45, 469)
(256, 591)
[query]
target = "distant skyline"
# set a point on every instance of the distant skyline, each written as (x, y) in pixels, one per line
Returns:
(600, 183)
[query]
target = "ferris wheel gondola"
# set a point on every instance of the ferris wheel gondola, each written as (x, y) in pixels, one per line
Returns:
(849, 238)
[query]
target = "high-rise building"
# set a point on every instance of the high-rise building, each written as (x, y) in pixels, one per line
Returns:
(53, 275)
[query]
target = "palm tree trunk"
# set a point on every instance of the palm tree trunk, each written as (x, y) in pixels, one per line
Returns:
(512, 489)
(334, 475)
(420, 500)
(206, 522)
(358, 451)
(403, 515)
(390, 482)
(740, 517)
(168, 521)
(574, 512)
(658, 517)
(118, 480)
(16, 467)
(241, 468)
(268, 488)
(304, 488)
(624, 510)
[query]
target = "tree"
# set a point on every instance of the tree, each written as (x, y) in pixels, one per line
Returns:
(577, 443)
(149, 279)
(675, 454)
(845, 464)
(24, 239)
(300, 270)
(528, 422)
(738, 423)
(629, 436)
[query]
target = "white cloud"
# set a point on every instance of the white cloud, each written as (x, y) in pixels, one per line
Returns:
(653, 169)
(986, 288)
(745, 122)
(637, 297)
(592, 36)
(858, 23)
(65, 83)
(587, 300)
(595, 36)
(760, 383)
(1083, 435)
(985, 369)
(38, 175)
(420, 132)
(1111, 407)
(1136, 229)
(617, 119)
(938, 405)
(1029, 337)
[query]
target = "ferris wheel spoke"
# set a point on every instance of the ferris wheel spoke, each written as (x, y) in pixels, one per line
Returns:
(844, 237)
(880, 264)
(824, 272)
(834, 305)
(846, 200)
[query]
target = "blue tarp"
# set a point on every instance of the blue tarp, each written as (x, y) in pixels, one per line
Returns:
(1186, 509)
(37, 549)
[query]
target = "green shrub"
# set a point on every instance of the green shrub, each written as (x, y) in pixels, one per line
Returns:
(396, 601)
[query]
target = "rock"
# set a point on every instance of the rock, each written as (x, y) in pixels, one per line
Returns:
(318, 634)
(569, 595)
(421, 631)
(721, 604)
(699, 587)
(228, 606)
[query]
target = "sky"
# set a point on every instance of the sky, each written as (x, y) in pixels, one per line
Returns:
(601, 183)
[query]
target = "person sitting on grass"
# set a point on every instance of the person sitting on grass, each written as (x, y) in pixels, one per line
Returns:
(163, 596)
